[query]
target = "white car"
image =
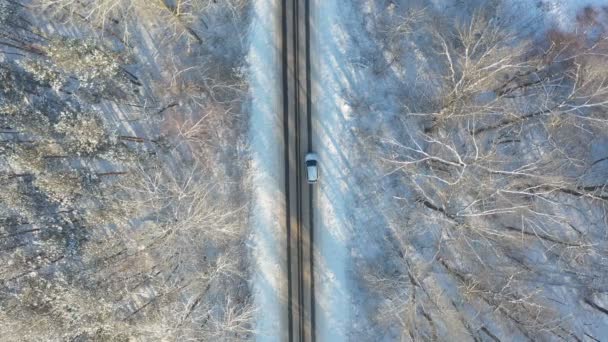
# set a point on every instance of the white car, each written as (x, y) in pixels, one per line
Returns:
(312, 168)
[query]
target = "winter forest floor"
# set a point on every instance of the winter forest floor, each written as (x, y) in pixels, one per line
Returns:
(463, 153)
(123, 209)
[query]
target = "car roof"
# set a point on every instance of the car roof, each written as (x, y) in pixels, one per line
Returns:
(312, 172)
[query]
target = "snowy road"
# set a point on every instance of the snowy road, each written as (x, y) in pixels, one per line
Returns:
(279, 69)
(297, 142)
(295, 303)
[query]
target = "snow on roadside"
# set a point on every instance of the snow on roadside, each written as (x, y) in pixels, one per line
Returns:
(349, 220)
(265, 127)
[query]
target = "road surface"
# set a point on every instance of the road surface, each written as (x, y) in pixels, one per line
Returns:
(295, 44)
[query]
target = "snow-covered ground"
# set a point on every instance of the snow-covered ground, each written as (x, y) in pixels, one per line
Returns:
(349, 220)
(360, 92)
(268, 208)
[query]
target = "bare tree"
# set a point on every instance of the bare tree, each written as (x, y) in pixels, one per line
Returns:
(102, 236)
(178, 18)
(495, 164)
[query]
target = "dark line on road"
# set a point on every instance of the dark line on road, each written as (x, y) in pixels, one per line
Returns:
(286, 157)
(310, 186)
(291, 62)
(296, 49)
